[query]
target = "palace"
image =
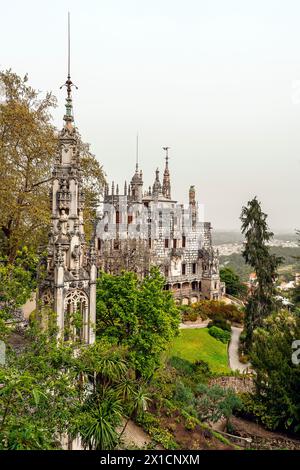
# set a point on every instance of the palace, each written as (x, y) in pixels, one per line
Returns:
(140, 228)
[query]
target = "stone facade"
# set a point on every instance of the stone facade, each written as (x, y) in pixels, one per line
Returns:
(140, 228)
(69, 287)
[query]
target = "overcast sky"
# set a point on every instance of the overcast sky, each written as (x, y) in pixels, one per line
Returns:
(217, 81)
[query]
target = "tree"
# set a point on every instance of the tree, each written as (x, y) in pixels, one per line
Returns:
(277, 377)
(47, 391)
(28, 146)
(158, 322)
(234, 286)
(139, 315)
(257, 254)
(115, 399)
(39, 392)
(296, 291)
(215, 402)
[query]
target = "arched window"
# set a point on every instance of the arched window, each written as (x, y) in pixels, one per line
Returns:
(76, 324)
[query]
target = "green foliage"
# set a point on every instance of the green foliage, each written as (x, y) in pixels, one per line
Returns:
(38, 393)
(234, 286)
(152, 425)
(183, 366)
(257, 254)
(218, 333)
(215, 402)
(277, 378)
(219, 309)
(220, 323)
(17, 281)
(296, 296)
(184, 394)
(254, 409)
(139, 315)
(99, 419)
(50, 389)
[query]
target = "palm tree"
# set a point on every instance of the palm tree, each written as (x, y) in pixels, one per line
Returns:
(98, 423)
(137, 401)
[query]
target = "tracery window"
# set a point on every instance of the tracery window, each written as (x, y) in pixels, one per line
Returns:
(76, 316)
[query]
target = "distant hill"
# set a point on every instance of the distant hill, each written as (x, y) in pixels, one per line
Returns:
(221, 237)
(288, 268)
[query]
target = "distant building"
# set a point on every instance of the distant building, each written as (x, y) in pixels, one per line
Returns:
(140, 228)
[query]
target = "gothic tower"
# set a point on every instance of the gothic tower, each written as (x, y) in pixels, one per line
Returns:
(136, 185)
(69, 287)
(156, 188)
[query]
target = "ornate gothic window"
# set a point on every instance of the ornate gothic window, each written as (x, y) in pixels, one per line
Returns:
(76, 316)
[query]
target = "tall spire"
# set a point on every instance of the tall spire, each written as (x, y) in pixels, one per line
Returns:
(137, 153)
(166, 188)
(68, 117)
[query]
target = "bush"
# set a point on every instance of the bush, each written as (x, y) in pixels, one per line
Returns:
(219, 334)
(215, 308)
(188, 313)
(255, 410)
(202, 367)
(198, 370)
(214, 402)
(183, 366)
(220, 323)
(184, 394)
(152, 425)
(190, 421)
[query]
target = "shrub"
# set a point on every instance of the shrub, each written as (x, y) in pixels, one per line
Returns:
(254, 409)
(212, 308)
(220, 323)
(188, 313)
(184, 394)
(219, 334)
(152, 425)
(198, 370)
(202, 367)
(183, 366)
(190, 421)
(214, 402)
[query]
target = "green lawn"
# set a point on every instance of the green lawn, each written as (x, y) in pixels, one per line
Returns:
(196, 344)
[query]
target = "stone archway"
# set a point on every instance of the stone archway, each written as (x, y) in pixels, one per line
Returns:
(76, 313)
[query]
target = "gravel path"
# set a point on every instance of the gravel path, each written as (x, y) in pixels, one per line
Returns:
(233, 351)
(189, 325)
(134, 435)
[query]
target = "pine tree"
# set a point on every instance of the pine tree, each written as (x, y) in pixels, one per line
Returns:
(257, 254)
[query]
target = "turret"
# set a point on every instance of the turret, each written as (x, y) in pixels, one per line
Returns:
(156, 188)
